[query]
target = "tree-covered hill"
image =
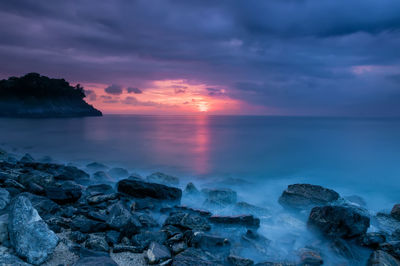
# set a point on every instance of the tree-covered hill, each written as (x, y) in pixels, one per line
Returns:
(34, 95)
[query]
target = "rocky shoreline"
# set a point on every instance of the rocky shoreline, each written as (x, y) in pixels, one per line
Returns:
(53, 214)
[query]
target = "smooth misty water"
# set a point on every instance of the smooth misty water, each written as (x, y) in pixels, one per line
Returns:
(353, 156)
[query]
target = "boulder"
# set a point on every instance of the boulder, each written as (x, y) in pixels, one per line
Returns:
(157, 253)
(118, 216)
(306, 196)
(219, 197)
(239, 261)
(45, 207)
(381, 258)
(338, 221)
(99, 189)
(97, 199)
(239, 220)
(140, 189)
(11, 183)
(310, 257)
(161, 178)
(193, 257)
(372, 240)
(207, 242)
(29, 235)
(118, 172)
(395, 213)
(112, 237)
(4, 198)
(85, 225)
(37, 177)
(101, 176)
(143, 239)
(191, 190)
(68, 192)
(27, 158)
(11, 260)
(95, 166)
(97, 242)
(96, 261)
(78, 237)
(188, 221)
(69, 172)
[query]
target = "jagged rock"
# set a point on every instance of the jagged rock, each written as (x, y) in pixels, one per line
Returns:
(219, 197)
(194, 257)
(118, 172)
(208, 242)
(112, 237)
(78, 237)
(188, 221)
(338, 221)
(37, 177)
(396, 212)
(203, 213)
(372, 240)
(391, 247)
(239, 261)
(381, 258)
(97, 199)
(66, 193)
(95, 166)
(85, 225)
(27, 158)
(97, 242)
(146, 220)
(45, 207)
(178, 247)
(143, 239)
(161, 178)
(310, 257)
(157, 253)
(3, 228)
(305, 196)
(141, 189)
(99, 189)
(239, 220)
(29, 234)
(96, 261)
(118, 216)
(4, 198)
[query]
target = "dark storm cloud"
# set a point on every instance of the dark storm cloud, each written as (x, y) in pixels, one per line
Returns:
(134, 90)
(295, 56)
(114, 89)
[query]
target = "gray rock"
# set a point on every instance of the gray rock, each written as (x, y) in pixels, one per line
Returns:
(118, 216)
(97, 199)
(195, 257)
(396, 212)
(381, 258)
(157, 253)
(372, 239)
(306, 196)
(97, 242)
(219, 198)
(45, 207)
(143, 239)
(310, 257)
(191, 190)
(162, 178)
(188, 221)
(102, 176)
(68, 192)
(3, 228)
(96, 261)
(29, 234)
(207, 242)
(11, 260)
(239, 261)
(338, 221)
(238, 220)
(85, 225)
(4, 198)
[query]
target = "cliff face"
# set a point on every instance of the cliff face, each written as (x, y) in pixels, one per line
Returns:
(38, 96)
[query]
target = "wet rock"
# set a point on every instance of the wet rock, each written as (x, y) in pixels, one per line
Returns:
(45, 207)
(97, 199)
(37, 177)
(258, 242)
(337, 221)
(85, 225)
(3, 228)
(136, 176)
(72, 173)
(141, 189)
(191, 190)
(78, 237)
(102, 176)
(310, 257)
(99, 189)
(4, 198)
(381, 258)
(112, 237)
(143, 239)
(157, 253)
(246, 208)
(219, 197)
(97, 242)
(203, 213)
(239, 220)
(395, 213)
(118, 172)
(188, 221)
(146, 220)
(14, 184)
(305, 196)
(119, 248)
(66, 193)
(343, 249)
(239, 261)
(171, 230)
(35, 189)
(96, 261)
(193, 257)
(29, 234)
(95, 166)
(372, 240)
(27, 158)
(118, 216)
(9, 259)
(207, 242)
(161, 178)
(391, 247)
(178, 247)
(131, 228)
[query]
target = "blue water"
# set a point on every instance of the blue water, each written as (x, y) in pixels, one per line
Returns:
(353, 156)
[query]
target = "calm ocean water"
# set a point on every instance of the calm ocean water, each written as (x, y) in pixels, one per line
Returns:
(353, 156)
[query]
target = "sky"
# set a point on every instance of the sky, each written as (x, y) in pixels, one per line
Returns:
(275, 57)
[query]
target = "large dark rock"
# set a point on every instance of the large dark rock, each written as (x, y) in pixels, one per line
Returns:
(396, 212)
(143, 239)
(29, 235)
(219, 198)
(338, 221)
(4, 198)
(381, 258)
(45, 207)
(391, 247)
(85, 225)
(305, 196)
(66, 193)
(95, 166)
(239, 261)
(310, 257)
(239, 220)
(208, 242)
(188, 221)
(69, 172)
(97, 242)
(140, 189)
(372, 240)
(96, 261)
(118, 172)
(157, 253)
(162, 178)
(195, 257)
